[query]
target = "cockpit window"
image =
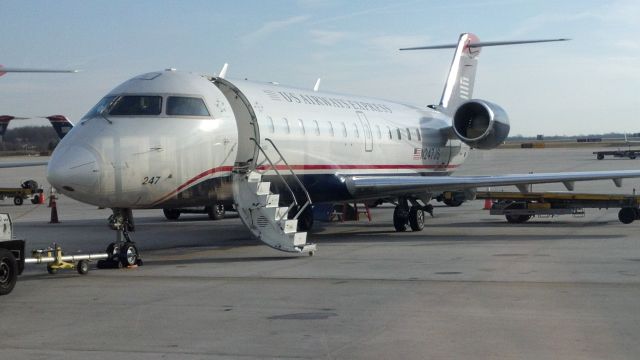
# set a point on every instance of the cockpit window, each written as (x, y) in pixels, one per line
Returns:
(99, 107)
(186, 106)
(137, 105)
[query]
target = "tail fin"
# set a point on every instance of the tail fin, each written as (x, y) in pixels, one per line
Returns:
(4, 123)
(462, 73)
(60, 124)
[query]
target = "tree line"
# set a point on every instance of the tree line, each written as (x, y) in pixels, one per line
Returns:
(29, 140)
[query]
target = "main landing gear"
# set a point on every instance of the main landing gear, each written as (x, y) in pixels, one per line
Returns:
(413, 215)
(122, 252)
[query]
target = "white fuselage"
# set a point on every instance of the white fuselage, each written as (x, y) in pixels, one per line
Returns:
(146, 161)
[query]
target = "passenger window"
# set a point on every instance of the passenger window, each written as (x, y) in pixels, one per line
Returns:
(344, 129)
(301, 126)
(399, 134)
(408, 134)
(379, 132)
(355, 129)
(330, 128)
(418, 134)
(315, 122)
(137, 105)
(186, 106)
(272, 127)
(287, 129)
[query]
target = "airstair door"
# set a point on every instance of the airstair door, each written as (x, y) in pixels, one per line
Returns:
(246, 121)
(368, 138)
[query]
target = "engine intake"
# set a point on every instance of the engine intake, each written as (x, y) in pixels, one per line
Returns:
(481, 124)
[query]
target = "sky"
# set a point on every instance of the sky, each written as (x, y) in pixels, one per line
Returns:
(588, 85)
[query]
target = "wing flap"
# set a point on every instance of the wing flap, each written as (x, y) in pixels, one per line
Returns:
(360, 186)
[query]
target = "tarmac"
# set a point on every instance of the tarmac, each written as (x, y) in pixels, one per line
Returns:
(469, 286)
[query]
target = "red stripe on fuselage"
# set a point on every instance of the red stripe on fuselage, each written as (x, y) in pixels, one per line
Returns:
(221, 169)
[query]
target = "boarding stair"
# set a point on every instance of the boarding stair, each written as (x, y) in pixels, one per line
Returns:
(259, 208)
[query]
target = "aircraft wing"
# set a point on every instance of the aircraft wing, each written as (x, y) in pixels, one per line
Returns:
(361, 186)
(33, 70)
(4, 165)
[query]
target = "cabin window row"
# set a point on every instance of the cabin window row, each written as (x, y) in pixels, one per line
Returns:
(314, 128)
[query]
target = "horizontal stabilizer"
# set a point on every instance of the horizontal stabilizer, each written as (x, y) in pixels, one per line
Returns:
(484, 44)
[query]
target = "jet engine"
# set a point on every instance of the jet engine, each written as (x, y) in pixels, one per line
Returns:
(481, 124)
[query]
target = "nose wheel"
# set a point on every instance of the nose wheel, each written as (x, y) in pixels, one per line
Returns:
(123, 252)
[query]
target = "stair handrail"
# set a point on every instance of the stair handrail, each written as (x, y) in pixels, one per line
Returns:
(293, 195)
(308, 202)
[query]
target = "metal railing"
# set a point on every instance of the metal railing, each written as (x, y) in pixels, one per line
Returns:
(284, 180)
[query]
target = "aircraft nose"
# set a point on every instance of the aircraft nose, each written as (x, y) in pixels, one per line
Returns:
(74, 171)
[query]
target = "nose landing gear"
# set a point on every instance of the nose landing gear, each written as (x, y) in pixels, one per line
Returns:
(123, 252)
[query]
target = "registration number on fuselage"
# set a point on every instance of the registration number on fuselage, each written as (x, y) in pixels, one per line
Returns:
(150, 180)
(428, 153)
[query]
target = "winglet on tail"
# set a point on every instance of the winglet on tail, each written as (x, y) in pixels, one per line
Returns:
(60, 124)
(461, 78)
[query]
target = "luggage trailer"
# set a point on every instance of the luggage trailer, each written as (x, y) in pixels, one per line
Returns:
(519, 207)
(630, 153)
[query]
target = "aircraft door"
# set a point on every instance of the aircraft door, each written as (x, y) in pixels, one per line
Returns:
(245, 120)
(368, 138)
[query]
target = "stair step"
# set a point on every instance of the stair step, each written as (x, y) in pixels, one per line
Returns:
(299, 238)
(263, 188)
(290, 226)
(269, 200)
(275, 213)
(260, 187)
(309, 248)
(254, 177)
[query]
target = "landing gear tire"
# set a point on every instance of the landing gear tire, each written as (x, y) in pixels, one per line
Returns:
(416, 218)
(82, 267)
(216, 211)
(517, 219)
(632, 156)
(8, 271)
(128, 255)
(627, 215)
(171, 214)
(452, 202)
(400, 218)
(17, 200)
(600, 156)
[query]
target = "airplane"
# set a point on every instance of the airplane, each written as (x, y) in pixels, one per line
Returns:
(4, 122)
(172, 139)
(60, 124)
(4, 70)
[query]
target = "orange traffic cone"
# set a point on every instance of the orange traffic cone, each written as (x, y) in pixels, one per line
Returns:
(41, 193)
(487, 204)
(54, 209)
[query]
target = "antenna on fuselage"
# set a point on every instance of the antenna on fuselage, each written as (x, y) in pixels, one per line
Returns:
(317, 85)
(223, 72)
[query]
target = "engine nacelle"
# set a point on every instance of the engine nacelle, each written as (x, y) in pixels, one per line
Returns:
(481, 124)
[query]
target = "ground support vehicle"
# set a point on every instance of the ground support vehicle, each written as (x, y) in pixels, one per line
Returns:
(630, 153)
(28, 189)
(519, 207)
(13, 260)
